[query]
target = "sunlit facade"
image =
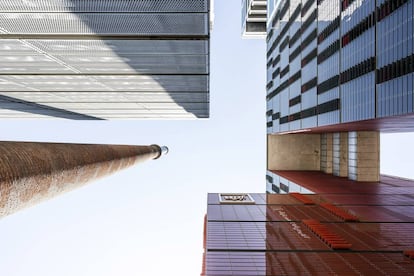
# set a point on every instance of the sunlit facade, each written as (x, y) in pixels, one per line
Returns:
(338, 73)
(339, 62)
(109, 59)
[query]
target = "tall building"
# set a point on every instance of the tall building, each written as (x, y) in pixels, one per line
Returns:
(254, 16)
(344, 229)
(32, 172)
(108, 59)
(338, 73)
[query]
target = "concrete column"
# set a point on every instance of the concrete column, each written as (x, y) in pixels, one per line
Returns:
(33, 172)
(293, 152)
(368, 156)
(340, 154)
(326, 152)
(343, 164)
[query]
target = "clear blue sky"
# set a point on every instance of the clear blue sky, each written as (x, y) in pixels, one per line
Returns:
(148, 220)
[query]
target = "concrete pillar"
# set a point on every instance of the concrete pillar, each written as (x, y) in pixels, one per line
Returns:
(293, 152)
(367, 156)
(326, 152)
(340, 154)
(343, 164)
(32, 172)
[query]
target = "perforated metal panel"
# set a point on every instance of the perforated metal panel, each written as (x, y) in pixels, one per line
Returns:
(106, 58)
(103, 5)
(105, 23)
(95, 56)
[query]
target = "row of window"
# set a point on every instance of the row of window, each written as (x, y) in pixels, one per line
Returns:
(329, 29)
(358, 70)
(360, 28)
(309, 112)
(329, 51)
(396, 69)
(306, 7)
(388, 7)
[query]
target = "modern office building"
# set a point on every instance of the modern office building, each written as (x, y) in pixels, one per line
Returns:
(338, 73)
(344, 229)
(32, 172)
(254, 16)
(108, 59)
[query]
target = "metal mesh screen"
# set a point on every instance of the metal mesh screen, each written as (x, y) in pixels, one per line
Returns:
(94, 56)
(105, 23)
(103, 83)
(104, 5)
(105, 58)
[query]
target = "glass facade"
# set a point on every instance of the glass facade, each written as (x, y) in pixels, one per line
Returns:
(338, 61)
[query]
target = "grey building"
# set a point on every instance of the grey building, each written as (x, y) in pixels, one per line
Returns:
(338, 73)
(107, 59)
(254, 16)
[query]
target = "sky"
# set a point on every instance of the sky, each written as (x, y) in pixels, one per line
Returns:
(148, 219)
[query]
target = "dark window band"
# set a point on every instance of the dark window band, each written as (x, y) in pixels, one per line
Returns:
(309, 39)
(388, 7)
(276, 116)
(309, 85)
(396, 69)
(306, 7)
(309, 21)
(329, 51)
(359, 29)
(295, 77)
(294, 101)
(358, 70)
(313, 54)
(319, 109)
(284, 71)
(329, 29)
(328, 84)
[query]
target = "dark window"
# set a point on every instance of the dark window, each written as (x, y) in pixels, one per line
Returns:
(329, 51)
(269, 112)
(295, 77)
(309, 85)
(269, 85)
(307, 6)
(308, 21)
(294, 54)
(269, 178)
(388, 7)
(276, 116)
(284, 44)
(294, 38)
(358, 70)
(328, 106)
(328, 84)
(309, 39)
(295, 100)
(329, 29)
(396, 69)
(284, 71)
(309, 112)
(284, 187)
(275, 189)
(309, 57)
(276, 72)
